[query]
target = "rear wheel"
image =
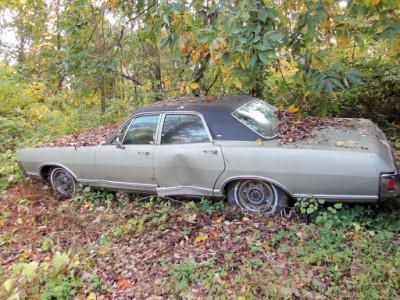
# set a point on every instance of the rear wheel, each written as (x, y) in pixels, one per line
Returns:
(258, 196)
(62, 181)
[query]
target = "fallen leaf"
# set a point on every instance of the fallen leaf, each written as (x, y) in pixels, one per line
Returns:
(92, 296)
(266, 247)
(47, 258)
(8, 285)
(192, 218)
(285, 274)
(293, 109)
(19, 220)
(124, 284)
(201, 238)
(339, 144)
(245, 219)
(301, 240)
(219, 220)
(213, 232)
(194, 85)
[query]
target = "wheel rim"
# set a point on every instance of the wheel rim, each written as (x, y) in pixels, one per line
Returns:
(63, 182)
(256, 195)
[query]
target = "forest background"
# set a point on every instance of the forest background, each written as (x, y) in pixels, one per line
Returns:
(68, 66)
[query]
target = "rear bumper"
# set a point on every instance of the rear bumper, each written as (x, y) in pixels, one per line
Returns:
(389, 186)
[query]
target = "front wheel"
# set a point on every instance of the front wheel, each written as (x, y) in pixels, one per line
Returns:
(62, 181)
(257, 196)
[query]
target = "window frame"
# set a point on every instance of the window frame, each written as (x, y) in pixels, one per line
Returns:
(162, 122)
(128, 123)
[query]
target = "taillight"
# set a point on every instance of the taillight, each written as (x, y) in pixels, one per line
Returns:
(391, 185)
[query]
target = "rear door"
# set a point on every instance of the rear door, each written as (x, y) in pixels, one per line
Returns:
(186, 162)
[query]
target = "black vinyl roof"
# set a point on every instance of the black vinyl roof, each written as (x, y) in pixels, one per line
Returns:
(217, 112)
(197, 103)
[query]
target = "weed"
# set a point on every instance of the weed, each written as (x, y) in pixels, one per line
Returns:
(209, 206)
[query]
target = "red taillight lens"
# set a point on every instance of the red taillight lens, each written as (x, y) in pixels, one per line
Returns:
(391, 185)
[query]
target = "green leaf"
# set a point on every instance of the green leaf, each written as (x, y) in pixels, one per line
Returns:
(264, 58)
(242, 39)
(258, 29)
(164, 43)
(253, 60)
(321, 85)
(29, 270)
(338, 205)
(227, 59)
(60, 260)
(262, 15)
(329, 87)
(276, 36)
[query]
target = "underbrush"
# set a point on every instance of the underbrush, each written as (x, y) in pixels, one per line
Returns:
(101, 244)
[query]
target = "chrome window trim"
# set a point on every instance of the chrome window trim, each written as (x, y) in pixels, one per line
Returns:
(232, 114)
(130, 120)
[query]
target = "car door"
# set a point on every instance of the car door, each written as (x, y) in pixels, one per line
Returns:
(130, 165)
(186, 162)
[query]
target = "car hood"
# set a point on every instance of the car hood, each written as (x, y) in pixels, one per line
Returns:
(353, 135)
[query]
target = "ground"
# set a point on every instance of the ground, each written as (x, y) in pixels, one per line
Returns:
(100, 246)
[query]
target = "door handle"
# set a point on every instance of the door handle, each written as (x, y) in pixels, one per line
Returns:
(210, 151)
(143, 153)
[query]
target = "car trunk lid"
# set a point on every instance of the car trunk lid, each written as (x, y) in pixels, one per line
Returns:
(353, 135)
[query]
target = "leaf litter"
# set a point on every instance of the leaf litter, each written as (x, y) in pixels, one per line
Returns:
(149, 249)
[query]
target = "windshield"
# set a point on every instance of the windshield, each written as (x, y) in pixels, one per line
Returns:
(260, 117)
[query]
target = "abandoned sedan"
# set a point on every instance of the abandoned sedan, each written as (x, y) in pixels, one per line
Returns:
(215, 146)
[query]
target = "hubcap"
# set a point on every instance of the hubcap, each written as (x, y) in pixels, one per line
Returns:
(63, 182)
(255, 195)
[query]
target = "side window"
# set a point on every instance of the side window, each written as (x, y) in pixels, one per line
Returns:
(142, 131)
(122, 131)
(183, 129)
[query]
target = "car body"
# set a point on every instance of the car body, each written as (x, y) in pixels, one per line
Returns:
(211, 146)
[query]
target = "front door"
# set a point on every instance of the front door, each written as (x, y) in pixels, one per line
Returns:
(186, 162)
(130, 166)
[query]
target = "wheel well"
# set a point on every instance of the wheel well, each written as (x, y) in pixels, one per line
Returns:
(45, 171)
(227, 184)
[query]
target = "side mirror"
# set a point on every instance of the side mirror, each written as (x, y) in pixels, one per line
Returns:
(119, 143)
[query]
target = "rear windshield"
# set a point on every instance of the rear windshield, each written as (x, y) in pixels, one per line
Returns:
(260, 117)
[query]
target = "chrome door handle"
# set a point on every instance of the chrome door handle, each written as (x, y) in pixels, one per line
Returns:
(144, 153)
(210, 151)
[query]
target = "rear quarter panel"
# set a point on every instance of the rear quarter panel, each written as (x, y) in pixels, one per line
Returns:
(302, 171)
